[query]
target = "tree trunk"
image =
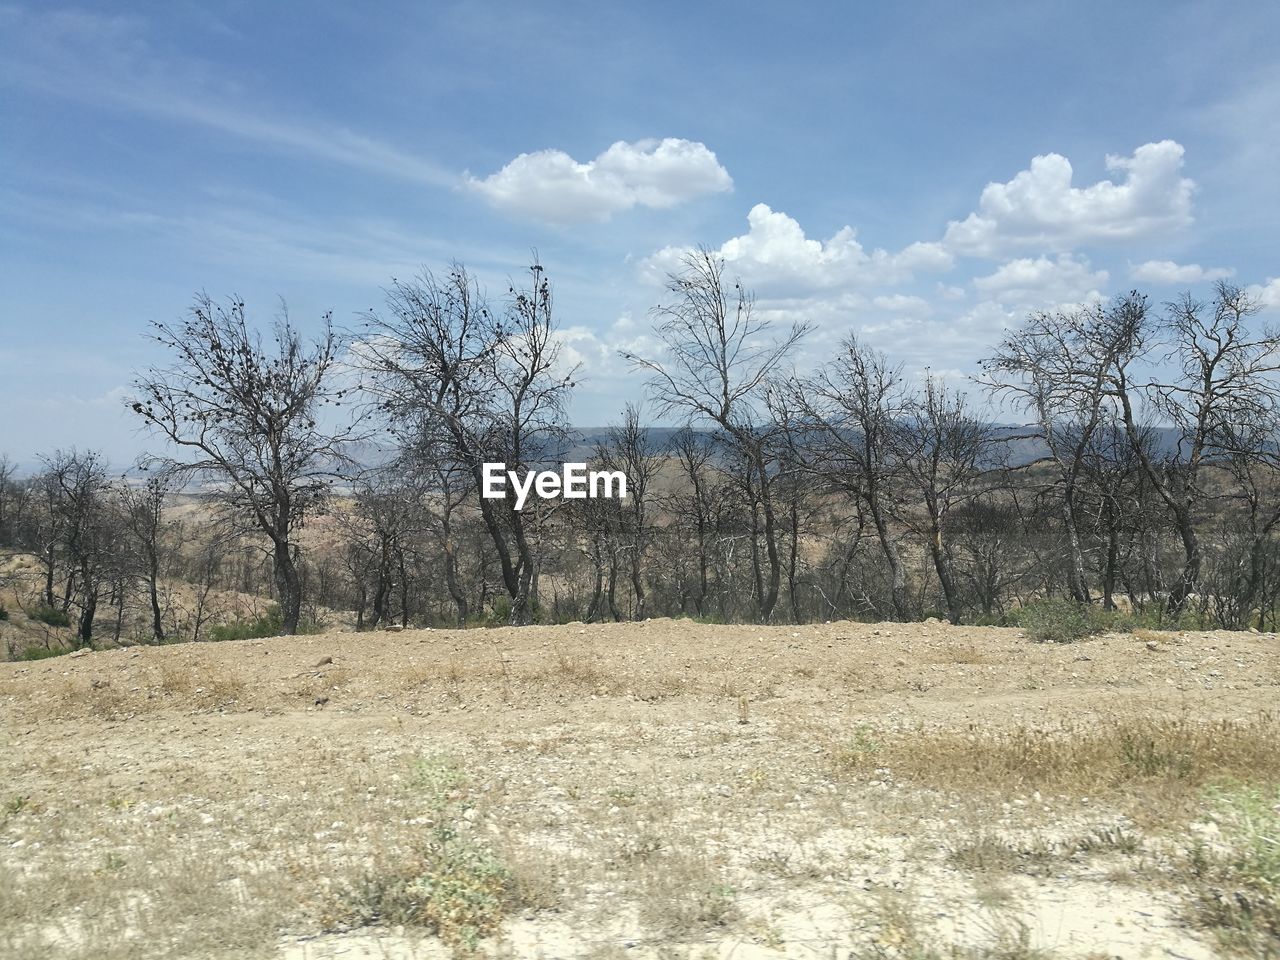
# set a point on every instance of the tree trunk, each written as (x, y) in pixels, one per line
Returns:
(456, 592)
(942, 566)
(288, 587)
(770, 599)
(84, 635)
(1189, 579)
(153, 590)
(1109, 573)
(793, 559)
(613, 586)
(48, 577)
(1077, 582)
(637, 583)
(897, 571)
(597, 591)
(119, 626)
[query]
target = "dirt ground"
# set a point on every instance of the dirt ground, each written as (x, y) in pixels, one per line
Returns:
(659, 789)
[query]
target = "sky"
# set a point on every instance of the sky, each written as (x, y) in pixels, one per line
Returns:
(921, 175)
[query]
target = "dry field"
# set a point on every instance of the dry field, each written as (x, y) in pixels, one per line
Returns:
(652, 790)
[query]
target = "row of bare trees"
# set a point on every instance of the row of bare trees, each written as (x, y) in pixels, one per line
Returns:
(98, 541)
(1145, 473)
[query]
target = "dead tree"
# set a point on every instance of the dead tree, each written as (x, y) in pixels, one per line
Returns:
(693, 507)
(629, 448)
(941, 449)
(146, 528)
(88, 528)
(491, 385)
(720, 360)
(256, 422)
(850, 412)
(1056, 369)
(1226, 379)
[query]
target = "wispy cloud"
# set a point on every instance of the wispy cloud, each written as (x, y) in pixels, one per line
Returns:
(108, 61)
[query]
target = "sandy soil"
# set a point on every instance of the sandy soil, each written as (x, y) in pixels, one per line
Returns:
(658, 789)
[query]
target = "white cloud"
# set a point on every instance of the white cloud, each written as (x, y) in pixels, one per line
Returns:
(597, 354)
(902, 303)
(1041, 209)
(551, 186)
(1042, 283)
(1168, 272)
(775, 256)
(1267, 294)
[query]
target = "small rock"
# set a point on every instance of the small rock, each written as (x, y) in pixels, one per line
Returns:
(1152, 645)
(324, 661)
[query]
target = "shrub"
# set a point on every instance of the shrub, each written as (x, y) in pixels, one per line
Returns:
(51, 616)
(1057, 621)
(41, 653)
(450, 887)
(1236, 891)
(447, 884)
(4, 614)
(269, 624)
(500, 615)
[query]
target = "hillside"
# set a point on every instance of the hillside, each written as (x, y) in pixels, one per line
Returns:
(660, 789)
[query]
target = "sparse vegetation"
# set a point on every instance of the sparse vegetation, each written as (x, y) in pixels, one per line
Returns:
(1156, 754)
(1057, 621)
(1236, 883)
(850, 492)
(511, 791)
(41, 653)
(449, 886)
(50, 616)
(269, 624)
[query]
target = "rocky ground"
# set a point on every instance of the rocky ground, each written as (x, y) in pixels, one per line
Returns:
(660, 789)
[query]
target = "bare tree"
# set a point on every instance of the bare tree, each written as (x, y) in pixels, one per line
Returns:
(88, 528)
(695, 507)
(255, 422)
(492, 384)
(630, 449)
(444, 485)
(941, 447)
(1226, 379)
(852, 409)
(383, 519)
(12, 501)
(719, 366)
(146, 528)
(1056, 368)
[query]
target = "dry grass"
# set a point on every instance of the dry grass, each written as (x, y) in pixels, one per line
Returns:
(1235, 885)
(642, 790)
(1116, 753)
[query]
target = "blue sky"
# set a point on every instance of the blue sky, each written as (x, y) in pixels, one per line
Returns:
(922, 174)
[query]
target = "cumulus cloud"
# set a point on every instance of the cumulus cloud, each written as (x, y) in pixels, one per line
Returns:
(1168, 272)
(1041, 209)
(776, 256)
(551, 186)
(1043, 281)
(596, 354)
(1267, 294)
(902, 303)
